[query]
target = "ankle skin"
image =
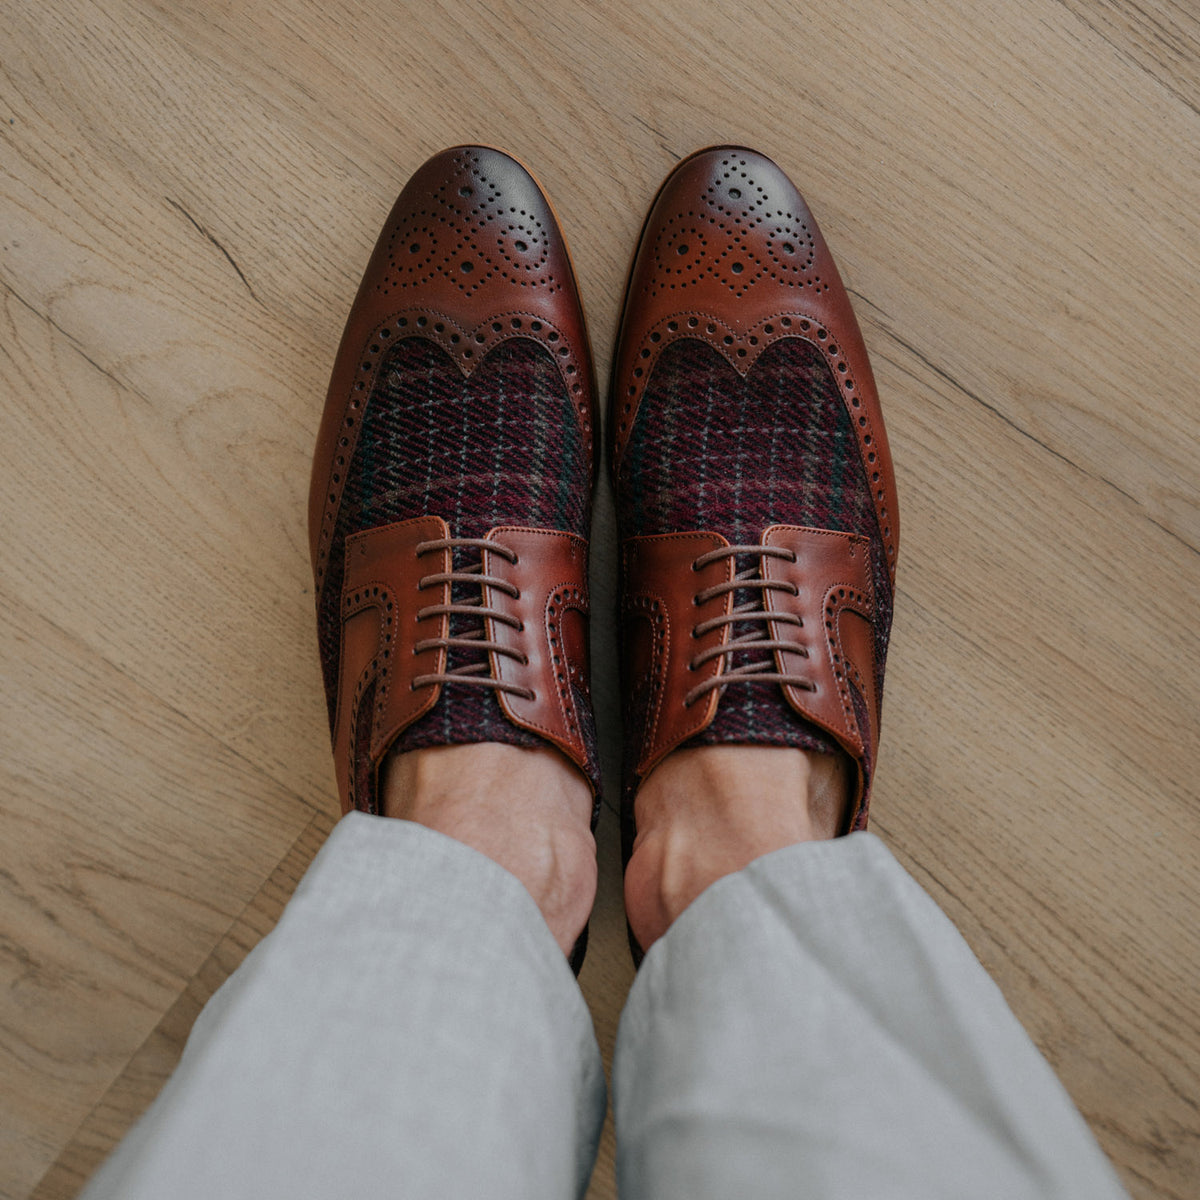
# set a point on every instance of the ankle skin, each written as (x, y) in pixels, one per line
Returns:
(709, 811)
(528, 810)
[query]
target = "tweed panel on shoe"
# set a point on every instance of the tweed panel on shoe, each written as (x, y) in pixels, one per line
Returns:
(711, 450)
(502, 447)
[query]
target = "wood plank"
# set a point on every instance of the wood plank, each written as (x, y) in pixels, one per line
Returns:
(148, 1069)
(1053, 820)
(133, 839)
(187, 196)
(1162, 37)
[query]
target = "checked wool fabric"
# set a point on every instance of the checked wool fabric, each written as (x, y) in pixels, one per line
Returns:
(500, 448)
(713, 451)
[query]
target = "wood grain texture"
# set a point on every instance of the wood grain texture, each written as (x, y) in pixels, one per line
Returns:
(152, 1063)
(187, 196)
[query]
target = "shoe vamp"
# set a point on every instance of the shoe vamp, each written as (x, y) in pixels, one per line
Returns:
(501, 447)
(713, 450)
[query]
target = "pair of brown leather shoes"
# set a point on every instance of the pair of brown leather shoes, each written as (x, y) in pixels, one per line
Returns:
(451, 487)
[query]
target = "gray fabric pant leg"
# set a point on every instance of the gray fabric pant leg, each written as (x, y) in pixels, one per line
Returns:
(811, 1027)
(814, 1026)
(409, 1029)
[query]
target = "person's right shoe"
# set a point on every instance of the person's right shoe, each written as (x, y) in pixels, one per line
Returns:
(756, 502)
(451, 487)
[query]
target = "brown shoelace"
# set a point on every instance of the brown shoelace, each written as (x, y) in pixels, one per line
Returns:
(473, 637)
(758, 671)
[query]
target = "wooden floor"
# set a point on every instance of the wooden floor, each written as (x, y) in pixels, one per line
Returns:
(188, 194)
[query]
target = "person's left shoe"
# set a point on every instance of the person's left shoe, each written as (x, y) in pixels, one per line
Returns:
(756, 500)
(451, 487)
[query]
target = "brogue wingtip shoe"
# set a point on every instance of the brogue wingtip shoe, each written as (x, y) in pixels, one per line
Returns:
(451, 485)
(744, 415)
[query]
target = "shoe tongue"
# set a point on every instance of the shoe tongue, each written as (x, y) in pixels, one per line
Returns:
(753, 712)
(757, 714)
(468, 712)
(753, 628)
(466, 560)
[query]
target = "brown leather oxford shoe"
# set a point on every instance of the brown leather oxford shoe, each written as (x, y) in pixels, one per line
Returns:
(755, 495)
(451, 486)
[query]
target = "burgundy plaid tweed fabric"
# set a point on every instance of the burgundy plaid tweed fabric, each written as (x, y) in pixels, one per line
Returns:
(500, 448)
(713, 451)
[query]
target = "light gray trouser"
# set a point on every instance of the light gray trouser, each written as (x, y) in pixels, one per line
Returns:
(812, 1026)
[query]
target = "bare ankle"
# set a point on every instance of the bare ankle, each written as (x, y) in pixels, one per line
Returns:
(527, 809)
(709, 811)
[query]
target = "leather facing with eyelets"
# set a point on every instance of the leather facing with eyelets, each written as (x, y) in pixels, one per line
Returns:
(835, 602)
(381, 597)
(551, 576)
(659, 614)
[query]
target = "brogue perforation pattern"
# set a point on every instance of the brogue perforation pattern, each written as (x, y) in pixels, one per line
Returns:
(742, 351)
(467, 349)
(737, 234)
(654, 612)
(468, 234)
(560, 600)
(859, 602)
(379, 670)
